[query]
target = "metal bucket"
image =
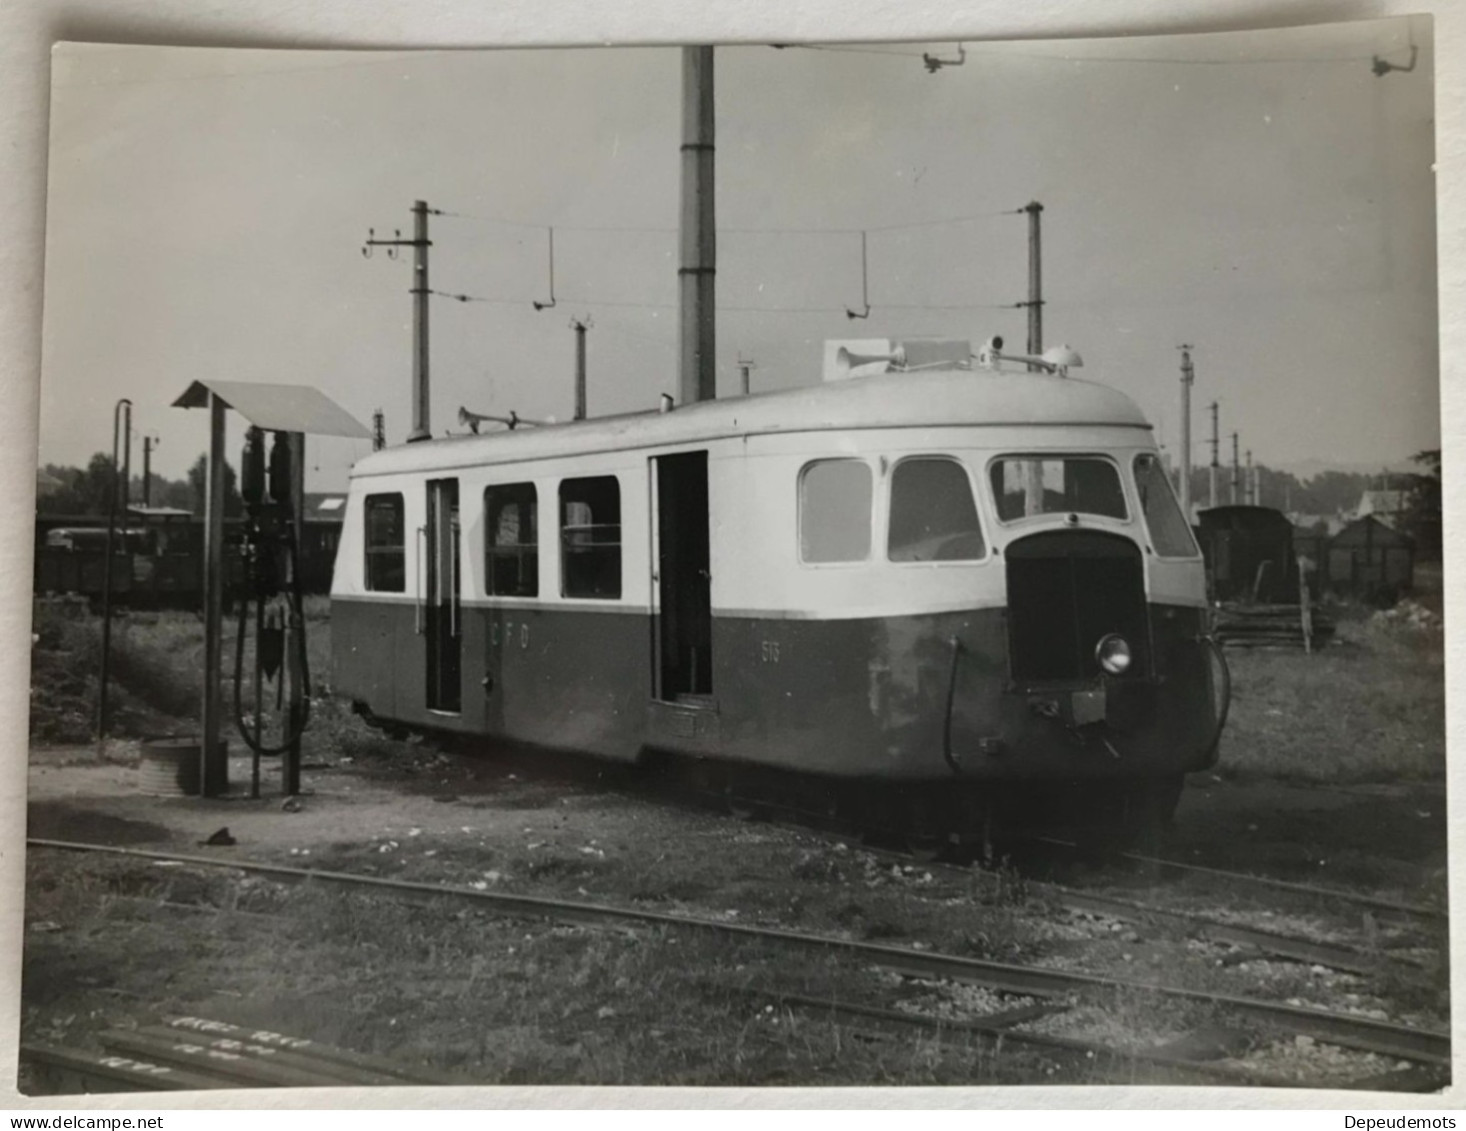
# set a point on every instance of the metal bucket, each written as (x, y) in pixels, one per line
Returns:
(170, 767)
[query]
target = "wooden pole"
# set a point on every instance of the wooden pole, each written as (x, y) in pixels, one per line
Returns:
(215, 768)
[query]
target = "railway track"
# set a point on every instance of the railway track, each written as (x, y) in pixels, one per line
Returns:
(1417, 911)
(1275, 944)
(200, 1054)
(1426, 1049)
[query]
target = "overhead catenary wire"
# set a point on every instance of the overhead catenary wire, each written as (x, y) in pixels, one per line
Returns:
(633, 229)
(498, 301)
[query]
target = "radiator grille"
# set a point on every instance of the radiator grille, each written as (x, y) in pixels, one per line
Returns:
(1067, 589)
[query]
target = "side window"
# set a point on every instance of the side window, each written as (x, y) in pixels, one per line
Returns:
(511, 541)
(933, 515)
(834, 511)
(1168, 527)
(590, 537)
(386, 559)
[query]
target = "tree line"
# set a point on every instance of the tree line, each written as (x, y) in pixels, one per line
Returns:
(88, 490)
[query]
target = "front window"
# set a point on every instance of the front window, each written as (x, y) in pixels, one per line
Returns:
(1169, 530)
(590, 537)
(1026, 486)
(933, 515)
(834, 511)
(511, 538)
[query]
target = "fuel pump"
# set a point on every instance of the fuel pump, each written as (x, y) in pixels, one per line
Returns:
(270, 548)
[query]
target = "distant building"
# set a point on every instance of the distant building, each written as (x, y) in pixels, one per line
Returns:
(1387, 507)
(1371, 560)
(1328, 524)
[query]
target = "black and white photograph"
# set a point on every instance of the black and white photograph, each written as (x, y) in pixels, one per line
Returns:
(746, 565)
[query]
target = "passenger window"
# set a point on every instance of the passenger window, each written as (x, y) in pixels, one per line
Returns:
(933, 515)
(834, 511)
(386, 558)
(1169, 529)
(590, 537)
(511, 541)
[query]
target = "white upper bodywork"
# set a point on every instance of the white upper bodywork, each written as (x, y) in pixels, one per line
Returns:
(757, 447)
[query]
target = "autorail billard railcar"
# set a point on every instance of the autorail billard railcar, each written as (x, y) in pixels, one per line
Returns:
(930, 593)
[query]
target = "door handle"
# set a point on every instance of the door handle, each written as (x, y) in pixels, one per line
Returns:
(453, 589)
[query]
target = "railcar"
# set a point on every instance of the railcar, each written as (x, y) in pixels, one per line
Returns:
(939, 587)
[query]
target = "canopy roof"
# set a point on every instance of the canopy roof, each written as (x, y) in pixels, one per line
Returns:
(278, 408)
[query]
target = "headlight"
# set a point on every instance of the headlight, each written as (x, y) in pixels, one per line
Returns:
(1113, 654)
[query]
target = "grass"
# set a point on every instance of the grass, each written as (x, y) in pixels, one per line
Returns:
(1369, 708)
(494, 999)
(154, 685)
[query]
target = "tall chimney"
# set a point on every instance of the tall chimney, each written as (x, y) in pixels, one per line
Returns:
(695, 275)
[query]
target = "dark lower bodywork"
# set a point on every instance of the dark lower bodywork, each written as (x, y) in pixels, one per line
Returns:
(921, 698)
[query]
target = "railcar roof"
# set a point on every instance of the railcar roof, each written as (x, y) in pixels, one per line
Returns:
(896, 400)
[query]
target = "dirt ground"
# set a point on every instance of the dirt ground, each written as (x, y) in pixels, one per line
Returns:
(1384, 838)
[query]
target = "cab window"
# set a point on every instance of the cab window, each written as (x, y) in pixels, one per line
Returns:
(834, 511)
(933, 514)
(1026, 486)
(1170, 533)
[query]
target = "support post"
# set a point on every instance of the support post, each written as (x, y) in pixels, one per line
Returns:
(697, 272)
(148, 442)
(580, 326)
(745, 366)
(1215, 451)
(290, 760)
(213, 752)
(1188, 376)
(421, 413)
(121, 412)
(1033, 484)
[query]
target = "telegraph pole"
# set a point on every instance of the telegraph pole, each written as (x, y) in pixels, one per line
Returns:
(421, 416)
(1236, 470)
(379, 431)
(121, 425)
(148, 442)
(1035, 302)
(698, 269)
(1188, 376)
(1215, 448)
(580, 326)
(1250, 494)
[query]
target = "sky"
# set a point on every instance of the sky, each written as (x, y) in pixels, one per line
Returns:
(1265, 197)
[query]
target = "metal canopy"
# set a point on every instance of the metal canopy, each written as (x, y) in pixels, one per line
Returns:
(278, 408)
